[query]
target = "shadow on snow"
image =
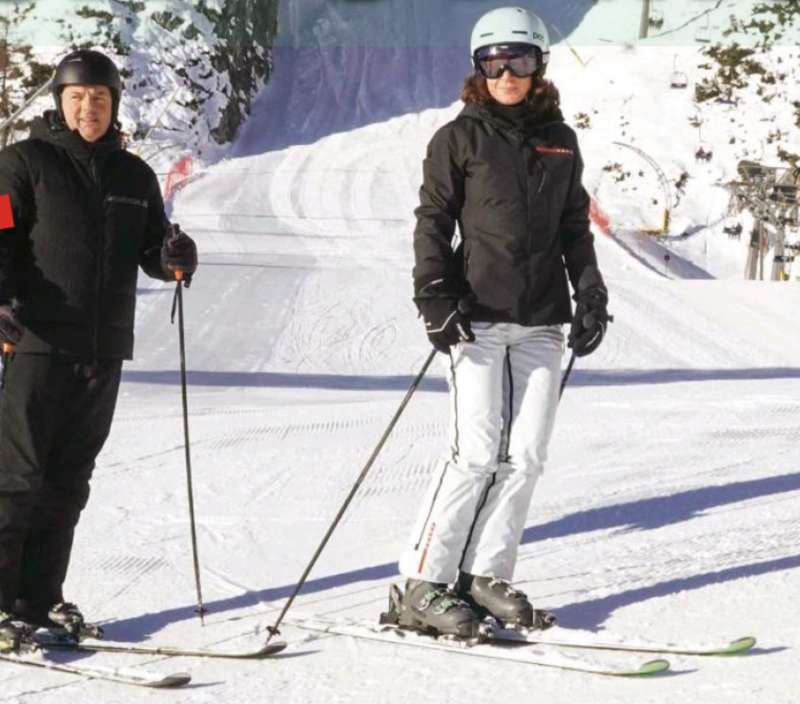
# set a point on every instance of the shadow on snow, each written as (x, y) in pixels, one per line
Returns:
(610, 377)
(644, 514)
(592, 614)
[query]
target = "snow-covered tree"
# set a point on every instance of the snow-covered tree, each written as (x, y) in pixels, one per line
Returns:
(190, 68)
(20, 73)
(759, 62)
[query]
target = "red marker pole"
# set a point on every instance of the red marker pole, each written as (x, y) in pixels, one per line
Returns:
(201, 609)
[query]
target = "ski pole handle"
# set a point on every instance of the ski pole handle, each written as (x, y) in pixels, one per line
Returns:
(178, 274)
(8, 349)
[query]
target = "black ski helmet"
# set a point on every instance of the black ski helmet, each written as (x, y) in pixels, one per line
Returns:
(88, 68)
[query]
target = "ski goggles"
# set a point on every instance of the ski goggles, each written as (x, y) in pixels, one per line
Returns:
(521, 59)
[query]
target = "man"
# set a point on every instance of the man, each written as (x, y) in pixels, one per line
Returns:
(81, 215)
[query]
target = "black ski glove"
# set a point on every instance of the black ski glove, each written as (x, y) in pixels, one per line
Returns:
(446, 316)
(591, 315)
(179, 253)
(11, 329)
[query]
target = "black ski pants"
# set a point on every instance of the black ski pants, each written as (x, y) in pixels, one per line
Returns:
(55, 415)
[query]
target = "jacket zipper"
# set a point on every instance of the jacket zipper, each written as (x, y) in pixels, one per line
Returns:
(543, 181)
(528, 206)
(526, 185)
(100, 259)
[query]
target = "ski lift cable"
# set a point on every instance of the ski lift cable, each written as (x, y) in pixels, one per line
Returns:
(569, 46)
(41, 89)
(704, 13)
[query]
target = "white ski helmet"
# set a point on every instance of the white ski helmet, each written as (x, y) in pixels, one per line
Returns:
(510, 25)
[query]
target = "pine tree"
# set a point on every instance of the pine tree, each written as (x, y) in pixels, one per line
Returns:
(14, 58)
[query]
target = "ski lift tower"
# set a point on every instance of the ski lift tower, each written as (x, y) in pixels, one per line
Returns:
(786, 199)
(644, 24)
(774, 199)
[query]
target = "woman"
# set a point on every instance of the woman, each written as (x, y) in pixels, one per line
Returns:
(507, 171)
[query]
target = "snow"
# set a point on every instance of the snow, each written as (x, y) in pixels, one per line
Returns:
(669, 508)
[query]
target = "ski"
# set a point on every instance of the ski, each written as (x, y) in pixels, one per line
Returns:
(132, 676)
(498, 650)
(49, 641)
(564, 638)
(567, 638)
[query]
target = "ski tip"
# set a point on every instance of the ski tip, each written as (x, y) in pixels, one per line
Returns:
(740, 645)
(652, 667)
(272, 648)
(176, 679)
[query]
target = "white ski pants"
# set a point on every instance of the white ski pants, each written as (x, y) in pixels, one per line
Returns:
(503, 398)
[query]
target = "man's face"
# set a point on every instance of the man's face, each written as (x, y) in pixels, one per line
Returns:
(87, 109)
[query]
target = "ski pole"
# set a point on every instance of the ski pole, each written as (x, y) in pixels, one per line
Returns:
(567, 372)
(273, 630)
(201, 609)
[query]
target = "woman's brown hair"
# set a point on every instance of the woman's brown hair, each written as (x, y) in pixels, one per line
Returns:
(543, 98)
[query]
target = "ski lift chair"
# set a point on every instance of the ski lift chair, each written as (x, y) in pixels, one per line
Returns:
(656, 19)
(678, 79)
(703, 35)
(751, 171)
(786, 193)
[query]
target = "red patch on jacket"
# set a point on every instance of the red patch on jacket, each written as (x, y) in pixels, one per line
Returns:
(553, 150)
(6, 214)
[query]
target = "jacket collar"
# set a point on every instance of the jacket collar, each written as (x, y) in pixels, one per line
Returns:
(51, 128)
(508, 120)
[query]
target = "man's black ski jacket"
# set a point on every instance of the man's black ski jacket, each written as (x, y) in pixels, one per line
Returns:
(85, 217)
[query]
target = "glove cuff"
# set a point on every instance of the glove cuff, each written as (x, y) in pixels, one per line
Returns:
(591, 286)
(590, 278)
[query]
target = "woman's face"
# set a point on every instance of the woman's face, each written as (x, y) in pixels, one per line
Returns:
(508, 89)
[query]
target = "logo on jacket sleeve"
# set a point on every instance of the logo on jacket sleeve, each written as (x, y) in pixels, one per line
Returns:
(541, 149)
(6, 214)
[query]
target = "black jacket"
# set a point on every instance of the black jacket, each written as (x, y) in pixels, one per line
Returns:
(514, 189)
(86, 215)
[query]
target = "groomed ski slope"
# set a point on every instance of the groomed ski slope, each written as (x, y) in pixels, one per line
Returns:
(669, 507)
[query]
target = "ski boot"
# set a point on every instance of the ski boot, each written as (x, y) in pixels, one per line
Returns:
(15, 636)
(433, 609)
(510, 607)
(67, 618)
